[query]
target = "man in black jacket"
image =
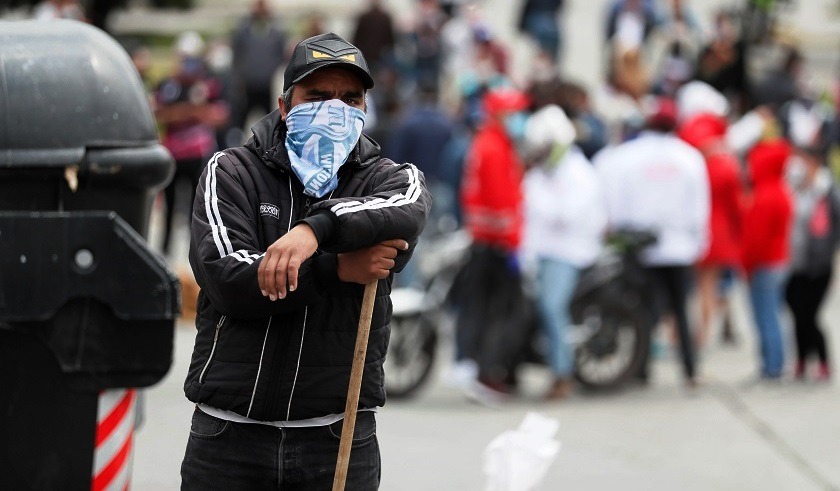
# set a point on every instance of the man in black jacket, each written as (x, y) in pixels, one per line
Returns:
(285, 233)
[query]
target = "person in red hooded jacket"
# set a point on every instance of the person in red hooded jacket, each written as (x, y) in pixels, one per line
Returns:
(765, 247)
(706, 132)
(489, 325)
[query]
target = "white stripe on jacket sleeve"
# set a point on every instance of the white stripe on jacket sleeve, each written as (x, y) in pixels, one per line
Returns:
(412, 193)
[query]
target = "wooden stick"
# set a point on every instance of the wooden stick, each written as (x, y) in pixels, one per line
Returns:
(356, 372)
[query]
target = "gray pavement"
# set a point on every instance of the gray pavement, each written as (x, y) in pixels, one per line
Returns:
(731, 434)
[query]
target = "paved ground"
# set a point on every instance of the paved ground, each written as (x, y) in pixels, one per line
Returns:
(729, 435)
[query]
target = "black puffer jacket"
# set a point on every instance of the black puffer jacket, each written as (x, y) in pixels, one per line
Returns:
(290, 359)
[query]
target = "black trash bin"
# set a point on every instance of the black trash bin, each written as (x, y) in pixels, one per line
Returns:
(85, 305)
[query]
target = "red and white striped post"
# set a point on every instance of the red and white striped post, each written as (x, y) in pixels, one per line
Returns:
(114, 440)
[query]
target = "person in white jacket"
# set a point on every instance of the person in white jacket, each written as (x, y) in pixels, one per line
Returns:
(565, 218)
(658, 183)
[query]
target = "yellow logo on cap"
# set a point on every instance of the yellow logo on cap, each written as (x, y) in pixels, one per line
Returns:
(320, 55)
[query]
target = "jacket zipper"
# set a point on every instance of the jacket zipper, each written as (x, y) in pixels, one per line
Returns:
(297, 366)
(212, 350)
(306, 205)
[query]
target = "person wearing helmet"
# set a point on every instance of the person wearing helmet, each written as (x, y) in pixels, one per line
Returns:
(565, 218)
(286, 231)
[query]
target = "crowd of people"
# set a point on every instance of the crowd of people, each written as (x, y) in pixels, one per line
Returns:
(728, 167)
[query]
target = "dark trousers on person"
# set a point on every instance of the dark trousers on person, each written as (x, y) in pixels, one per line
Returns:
(804, 295)
(226, 456)
(185, 170)
(491, 324)
(671, 284)
(253, 98)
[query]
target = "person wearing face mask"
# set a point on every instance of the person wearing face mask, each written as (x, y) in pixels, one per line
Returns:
(286, 231)
(489, 327)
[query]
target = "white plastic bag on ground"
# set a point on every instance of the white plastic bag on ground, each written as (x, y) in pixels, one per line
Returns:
(518, 460)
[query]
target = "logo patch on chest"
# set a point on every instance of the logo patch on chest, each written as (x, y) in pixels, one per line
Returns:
(269, 210)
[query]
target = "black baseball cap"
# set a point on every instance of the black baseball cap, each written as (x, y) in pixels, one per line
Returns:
(325, 50)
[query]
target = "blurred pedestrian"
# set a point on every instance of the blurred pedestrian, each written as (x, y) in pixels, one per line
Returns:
(374, 35)
(706, 132)
(420, 138)
(765, 247)
(565, 218)
(590, 129)
(59, 9)
(426, 42)
(678, 36)
(258, 45)
(658, 183)
(189, 107)
(722, 63)
(630, 22)
(815, 238)
(295, 223)
(782, 84)
(491, 320)
(540, 19)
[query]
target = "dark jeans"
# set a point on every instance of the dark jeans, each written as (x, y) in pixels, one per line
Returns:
(260, 99)
(185, 170)
(804, 295)
(492, 327)
(231, 456)
(671, 287)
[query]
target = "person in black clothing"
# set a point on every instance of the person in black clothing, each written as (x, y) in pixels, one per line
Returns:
(539, 20)
(286, 231)
(189, 107)
(259, 50)
(815, 239)
(375, 35)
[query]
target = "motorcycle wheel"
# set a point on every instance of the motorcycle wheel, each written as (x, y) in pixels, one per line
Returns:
(613, 344)
(411, 355)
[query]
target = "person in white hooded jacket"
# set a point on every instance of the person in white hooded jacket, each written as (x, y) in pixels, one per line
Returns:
(565, 218)
(658, 183)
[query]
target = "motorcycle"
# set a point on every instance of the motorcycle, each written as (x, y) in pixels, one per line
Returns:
(419, 313)
(612, 310)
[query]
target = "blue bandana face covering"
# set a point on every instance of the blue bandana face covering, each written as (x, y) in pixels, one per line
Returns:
(319, 139)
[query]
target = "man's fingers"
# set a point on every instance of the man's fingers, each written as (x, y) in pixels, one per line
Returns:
(267, 274)
(281, 276)
(261, 275)
(399, 244)
(293, 269)
(388, 252)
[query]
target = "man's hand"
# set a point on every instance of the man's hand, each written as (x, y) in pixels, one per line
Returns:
(279, 268)
(371, 263)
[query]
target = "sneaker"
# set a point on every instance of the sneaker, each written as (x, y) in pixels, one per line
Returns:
(487, 392)
(693, 383)
(799, 371)
(823, 373)
(462, 374)
(559, 390)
